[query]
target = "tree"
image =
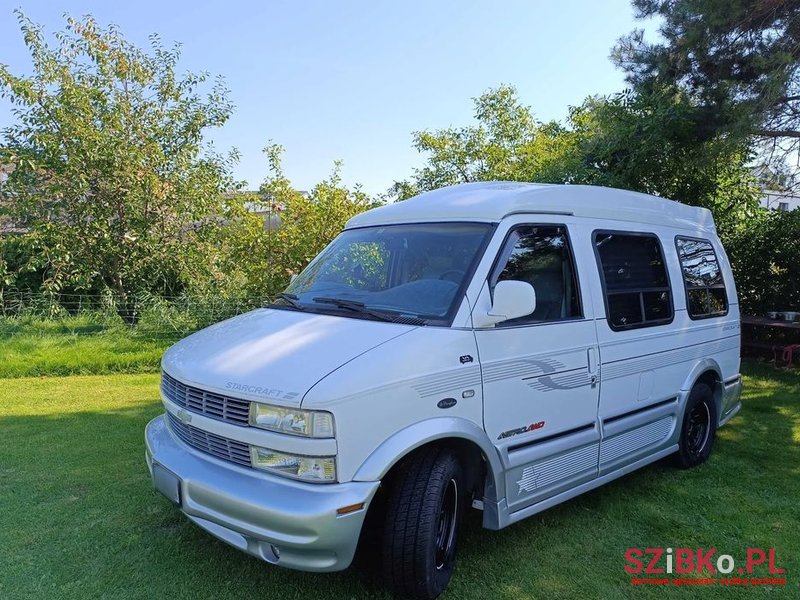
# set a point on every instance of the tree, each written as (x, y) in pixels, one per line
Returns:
(765, 257)
(646, 143)
(262, 258)
(111, 182)
(629, 140)
(735, 62)
(507, 143)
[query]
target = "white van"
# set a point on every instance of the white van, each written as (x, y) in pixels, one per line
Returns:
(499, 346)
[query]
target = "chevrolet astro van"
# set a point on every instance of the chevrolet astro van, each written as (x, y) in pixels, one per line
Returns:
(499, 347)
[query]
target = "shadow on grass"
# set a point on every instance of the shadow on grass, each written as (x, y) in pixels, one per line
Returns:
(743, 497)
(80, 518)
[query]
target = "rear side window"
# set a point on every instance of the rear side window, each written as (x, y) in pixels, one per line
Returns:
(635, 280)
(705, 289)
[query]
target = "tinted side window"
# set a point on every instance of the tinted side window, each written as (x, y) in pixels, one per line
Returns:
(635, 279)
(705, 290)
(541, 256)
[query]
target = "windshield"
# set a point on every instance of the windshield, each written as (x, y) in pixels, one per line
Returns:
(412, 270)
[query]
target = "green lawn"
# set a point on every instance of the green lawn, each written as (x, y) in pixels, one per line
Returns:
(77, 345)
(78, 518)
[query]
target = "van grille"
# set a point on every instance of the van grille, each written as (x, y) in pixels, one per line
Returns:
(211, 405)
(230, 450)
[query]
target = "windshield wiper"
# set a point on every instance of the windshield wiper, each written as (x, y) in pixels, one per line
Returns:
(360, 307)
(291, 300)
(354, 306)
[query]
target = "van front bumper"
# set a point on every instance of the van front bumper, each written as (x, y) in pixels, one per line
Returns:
(284, 522)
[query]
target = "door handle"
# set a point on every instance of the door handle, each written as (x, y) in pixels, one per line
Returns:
(591, 360)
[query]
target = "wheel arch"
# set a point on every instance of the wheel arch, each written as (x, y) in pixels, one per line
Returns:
(709, 372)
(464, 436)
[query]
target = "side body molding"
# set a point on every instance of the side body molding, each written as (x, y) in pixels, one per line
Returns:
(385, 456)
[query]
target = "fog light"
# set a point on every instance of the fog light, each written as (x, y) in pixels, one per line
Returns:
(316, 469)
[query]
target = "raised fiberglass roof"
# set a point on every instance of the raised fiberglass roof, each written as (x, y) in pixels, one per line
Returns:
(491, 201)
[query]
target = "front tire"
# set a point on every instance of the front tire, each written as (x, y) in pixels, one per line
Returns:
(424, 511)
(699, 427)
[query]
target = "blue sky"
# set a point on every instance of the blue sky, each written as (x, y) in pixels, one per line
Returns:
(351, 80)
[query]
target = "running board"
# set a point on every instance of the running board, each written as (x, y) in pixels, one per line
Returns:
(585, 487)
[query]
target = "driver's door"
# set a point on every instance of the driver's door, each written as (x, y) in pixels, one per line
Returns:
(540, 371)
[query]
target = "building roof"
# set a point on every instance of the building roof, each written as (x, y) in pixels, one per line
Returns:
(493, 200)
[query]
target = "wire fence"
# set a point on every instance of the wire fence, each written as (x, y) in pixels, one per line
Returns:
(92, 314)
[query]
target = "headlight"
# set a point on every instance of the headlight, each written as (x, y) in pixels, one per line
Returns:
(320, 469)
(310, 423)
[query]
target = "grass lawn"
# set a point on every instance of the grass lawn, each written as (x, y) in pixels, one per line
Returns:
(76, 345)
(78, 518)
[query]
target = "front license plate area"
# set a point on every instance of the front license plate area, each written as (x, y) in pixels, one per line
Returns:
(167, 483)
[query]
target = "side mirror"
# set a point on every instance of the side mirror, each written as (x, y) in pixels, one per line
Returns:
(512, 299)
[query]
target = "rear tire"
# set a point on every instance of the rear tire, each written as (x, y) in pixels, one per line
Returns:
(698, 429)
(424, 511)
